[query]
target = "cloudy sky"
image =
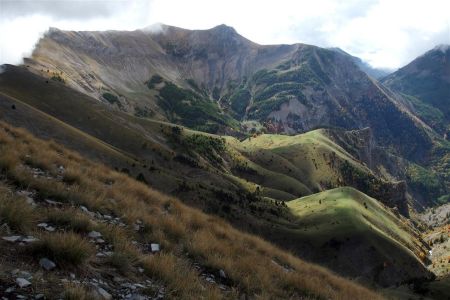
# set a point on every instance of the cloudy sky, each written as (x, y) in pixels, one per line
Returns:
(385, 33)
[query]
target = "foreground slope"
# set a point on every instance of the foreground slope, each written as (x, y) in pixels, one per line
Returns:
(337, 220)
(107, 229)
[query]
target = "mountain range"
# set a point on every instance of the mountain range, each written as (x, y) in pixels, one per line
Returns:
(307, 147)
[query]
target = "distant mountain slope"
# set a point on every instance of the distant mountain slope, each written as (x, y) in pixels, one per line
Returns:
(221, 79)
(426, 85)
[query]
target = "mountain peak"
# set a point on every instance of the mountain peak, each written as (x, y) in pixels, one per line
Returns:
(223, 28)
(442, 47)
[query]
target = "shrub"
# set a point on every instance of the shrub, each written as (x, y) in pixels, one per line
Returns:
(111, 98)
(154, 80)
(57, 77)
(240, 100)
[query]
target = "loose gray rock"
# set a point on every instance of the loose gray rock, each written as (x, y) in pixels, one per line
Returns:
(137, 297)
(47, 264)
(94, 234)
(51, 202)
(222, 274)
(104, 294)
(155, 247)
(29, 239)
(22, 282)
(12, 239)
(50, 228)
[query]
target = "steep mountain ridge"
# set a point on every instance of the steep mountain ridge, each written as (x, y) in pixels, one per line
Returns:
(426, 84)
(228, 79)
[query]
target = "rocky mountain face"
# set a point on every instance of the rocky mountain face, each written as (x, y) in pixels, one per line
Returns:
(426, 85)
(218, 81)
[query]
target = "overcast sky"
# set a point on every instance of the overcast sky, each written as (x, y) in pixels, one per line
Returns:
(385, 33)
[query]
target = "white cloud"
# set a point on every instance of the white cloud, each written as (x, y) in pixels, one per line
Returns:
(386, 33)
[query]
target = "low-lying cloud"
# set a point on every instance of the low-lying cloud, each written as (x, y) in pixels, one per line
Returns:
(385, 33)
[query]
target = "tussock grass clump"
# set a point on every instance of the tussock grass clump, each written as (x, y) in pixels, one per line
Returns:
(70, 219)
(124, 258)
(77, 292)
(16, 212)
(8, 159)
(182, 280)
(72, 176)
(66, 249)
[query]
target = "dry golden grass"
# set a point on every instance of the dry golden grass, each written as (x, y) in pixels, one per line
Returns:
(69, 219)
(66, 249)
(15, 212)
(253, 267)
(76, 292)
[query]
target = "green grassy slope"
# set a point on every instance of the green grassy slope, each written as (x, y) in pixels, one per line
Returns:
(317, 162)
(333, 220)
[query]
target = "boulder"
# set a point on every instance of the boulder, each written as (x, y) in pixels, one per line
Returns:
(12, 238)
(104, 294)
(155, 247)
(22, 282)
(47, 264)
(94, 234)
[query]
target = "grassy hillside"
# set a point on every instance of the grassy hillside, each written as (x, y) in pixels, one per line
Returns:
(315, 160)
(101, 225)
(335, 220)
